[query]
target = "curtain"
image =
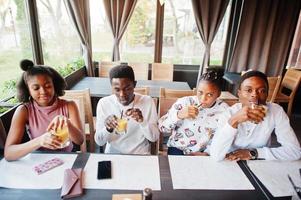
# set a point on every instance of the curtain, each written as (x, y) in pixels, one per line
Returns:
(79, 14)
(119, 13)
(264, 35)
(208, 16)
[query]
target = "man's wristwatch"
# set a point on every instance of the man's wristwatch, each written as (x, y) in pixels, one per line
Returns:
(254, 154)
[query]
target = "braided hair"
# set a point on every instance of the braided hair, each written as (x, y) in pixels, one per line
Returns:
(212, 77)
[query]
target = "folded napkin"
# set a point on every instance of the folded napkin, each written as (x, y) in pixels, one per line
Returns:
(72, 185)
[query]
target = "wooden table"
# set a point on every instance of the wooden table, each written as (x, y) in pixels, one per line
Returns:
(101, 87)
(167, 192)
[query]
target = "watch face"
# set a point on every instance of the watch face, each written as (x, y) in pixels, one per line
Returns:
(253, 154)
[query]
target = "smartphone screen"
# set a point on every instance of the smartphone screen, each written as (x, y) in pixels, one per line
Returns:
(104, 170)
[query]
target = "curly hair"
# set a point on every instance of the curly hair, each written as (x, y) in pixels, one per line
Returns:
(253, 73)
(212, 77)
(31, 70)
(122, 71)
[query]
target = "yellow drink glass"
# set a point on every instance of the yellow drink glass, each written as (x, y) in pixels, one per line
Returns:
(63, 135)
(122, 126)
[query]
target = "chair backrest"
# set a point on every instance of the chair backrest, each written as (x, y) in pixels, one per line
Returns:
(142, 90)
(105, 67)
(87, 113)
(140, 70)
(291, 81)
(165, 104)
(171, 93)
(2, 135)
(228, 97)
(274, 85)
(162, 71)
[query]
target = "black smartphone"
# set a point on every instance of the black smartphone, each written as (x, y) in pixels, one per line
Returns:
(104, 170)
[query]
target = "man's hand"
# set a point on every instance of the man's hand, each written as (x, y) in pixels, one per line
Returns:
(135, 113)
(240, 154)
(255, 115)
(111, 123)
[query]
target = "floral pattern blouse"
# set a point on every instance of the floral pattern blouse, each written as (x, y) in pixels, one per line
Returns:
(192, 135)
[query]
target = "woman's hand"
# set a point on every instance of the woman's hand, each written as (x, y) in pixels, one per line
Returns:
(188, 112)
(50, 141)
(58, 122)
(240, 154)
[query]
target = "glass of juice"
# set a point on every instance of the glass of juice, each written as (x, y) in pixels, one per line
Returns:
(122, 126)
(63, 135)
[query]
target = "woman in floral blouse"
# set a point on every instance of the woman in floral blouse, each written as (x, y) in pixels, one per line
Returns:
(193, 120)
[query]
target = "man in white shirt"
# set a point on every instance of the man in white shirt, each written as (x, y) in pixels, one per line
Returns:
(247, 135)
(139, 111)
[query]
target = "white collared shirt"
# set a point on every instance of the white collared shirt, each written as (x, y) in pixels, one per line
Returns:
(137, 137)
(249, 135)
(192, 135)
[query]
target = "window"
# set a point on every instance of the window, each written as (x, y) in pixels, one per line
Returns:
(60, 41)
(138, 41)
(294, 60)
(102, 37)
(15, 44)
(182, 43)
(219, 42)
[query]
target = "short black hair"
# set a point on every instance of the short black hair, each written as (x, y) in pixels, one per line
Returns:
(30, 70)
(212, 77)
(122, 71)
(254, 73)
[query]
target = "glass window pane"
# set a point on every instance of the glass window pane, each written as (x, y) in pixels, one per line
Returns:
(182, 43)
(60, 41)
(219, 42)
(15, 43)
(102, 37)
(138, 41)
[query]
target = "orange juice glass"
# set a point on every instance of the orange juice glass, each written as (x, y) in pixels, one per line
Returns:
(122, 126)
(63, 134)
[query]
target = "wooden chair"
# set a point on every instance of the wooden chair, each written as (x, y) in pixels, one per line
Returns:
(274, 84)
(165, 104)
(171, 93)
(89, 127)
(142, 90)
(140, 70)
(105, 67)
(162, 71)
(291, 81)
(228, 97)
(2, 135)
(80, 105)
